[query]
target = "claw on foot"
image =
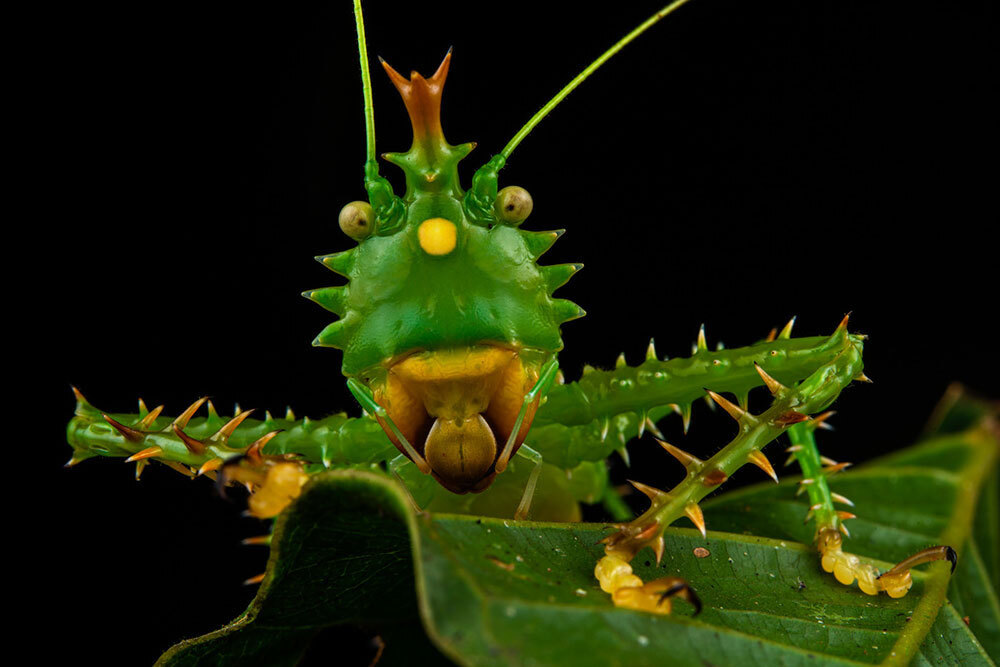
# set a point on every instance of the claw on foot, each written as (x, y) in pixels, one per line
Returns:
(627, 590)
(896, 582)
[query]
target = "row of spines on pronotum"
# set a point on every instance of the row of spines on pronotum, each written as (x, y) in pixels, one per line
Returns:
(602, 394)
(336, 299)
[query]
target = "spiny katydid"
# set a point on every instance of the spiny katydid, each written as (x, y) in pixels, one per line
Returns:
(450, 336)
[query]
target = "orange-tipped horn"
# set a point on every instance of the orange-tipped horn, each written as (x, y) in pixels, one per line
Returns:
(422, 98)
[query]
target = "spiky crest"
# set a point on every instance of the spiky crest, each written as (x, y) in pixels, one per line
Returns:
(431, 163)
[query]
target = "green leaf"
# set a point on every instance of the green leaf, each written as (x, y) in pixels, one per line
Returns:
(904, 502)
(495, 592)
(490, 591)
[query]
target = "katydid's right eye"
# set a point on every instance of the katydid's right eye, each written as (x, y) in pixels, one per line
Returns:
(357, 220)
(513, 205)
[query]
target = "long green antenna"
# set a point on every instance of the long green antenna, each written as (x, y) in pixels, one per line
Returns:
(366, 81)
(582, 76)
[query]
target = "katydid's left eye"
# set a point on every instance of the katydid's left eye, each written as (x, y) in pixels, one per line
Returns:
(357, 220)
(513, 205)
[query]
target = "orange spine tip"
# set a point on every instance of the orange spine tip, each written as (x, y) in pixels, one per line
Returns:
(210, 465)
(834, 469)
(693, 512)
(842, 499)
(223, 433)
(127, 432)
(773, 385)
(734, 410)
(658, 545)
(651, 492)
(758, 459)
(147, 421)
(194, 445)
(149, 452)
(253, 581)
(820, 421)
(183, 418)
(689, 461)
(254, 452)
(78, 395)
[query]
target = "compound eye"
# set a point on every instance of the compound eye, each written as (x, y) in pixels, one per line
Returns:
(513, 205)
(357, 220)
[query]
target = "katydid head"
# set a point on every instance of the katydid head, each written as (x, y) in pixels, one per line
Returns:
(447, 318)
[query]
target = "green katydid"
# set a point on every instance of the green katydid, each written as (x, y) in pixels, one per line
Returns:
(450, 336)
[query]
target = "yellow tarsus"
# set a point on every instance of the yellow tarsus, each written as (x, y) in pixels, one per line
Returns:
(847, 567)
(282, 485)
(628, 591)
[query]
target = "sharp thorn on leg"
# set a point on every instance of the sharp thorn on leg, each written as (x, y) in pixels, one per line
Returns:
(689, 461)
(772, 385)
(183, 418)
(693, 512)
(757, 458)
(193, 445)
(735, 411)
(222, 435)
(149, 452)
(842, 499)
(147, 421)
(127, 432)
(651, 492)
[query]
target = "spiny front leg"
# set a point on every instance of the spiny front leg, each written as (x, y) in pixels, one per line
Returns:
(271, 457)
(847, 567)
(791, 405)
(601, 396)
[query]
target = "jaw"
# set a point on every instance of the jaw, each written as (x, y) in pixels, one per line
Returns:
(458, 406)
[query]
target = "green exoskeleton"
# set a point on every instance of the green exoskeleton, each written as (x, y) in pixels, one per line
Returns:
(450, 335)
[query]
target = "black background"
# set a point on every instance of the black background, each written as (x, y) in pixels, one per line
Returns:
(740, 164)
